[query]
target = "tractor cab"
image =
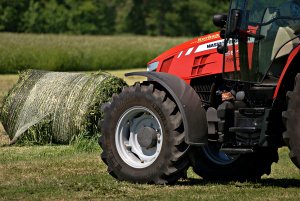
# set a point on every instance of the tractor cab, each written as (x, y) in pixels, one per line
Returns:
(259, 37)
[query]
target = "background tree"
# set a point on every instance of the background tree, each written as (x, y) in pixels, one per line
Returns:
(143, 17)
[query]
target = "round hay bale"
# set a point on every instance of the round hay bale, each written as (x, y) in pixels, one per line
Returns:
(54, 107)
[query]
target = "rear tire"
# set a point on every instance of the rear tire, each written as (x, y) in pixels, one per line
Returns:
(160, 160)
(212, 164)
(291, 119)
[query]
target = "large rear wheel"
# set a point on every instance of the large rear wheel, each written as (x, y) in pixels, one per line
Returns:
(291, 119)
(143, 136)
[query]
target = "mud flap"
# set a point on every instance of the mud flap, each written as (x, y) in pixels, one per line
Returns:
(188, 102)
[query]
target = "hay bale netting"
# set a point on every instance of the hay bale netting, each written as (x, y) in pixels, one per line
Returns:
(54, 107)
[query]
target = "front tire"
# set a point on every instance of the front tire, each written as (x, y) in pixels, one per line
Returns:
(143, 136)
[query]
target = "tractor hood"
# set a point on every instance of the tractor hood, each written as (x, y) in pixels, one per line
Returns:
(194, 58)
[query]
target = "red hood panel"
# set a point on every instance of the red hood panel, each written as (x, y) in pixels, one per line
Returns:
(195, 58)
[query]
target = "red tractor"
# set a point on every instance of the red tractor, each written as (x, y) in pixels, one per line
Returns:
(223, 103)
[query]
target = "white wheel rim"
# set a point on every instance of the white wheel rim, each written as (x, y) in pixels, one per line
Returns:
(128, 147)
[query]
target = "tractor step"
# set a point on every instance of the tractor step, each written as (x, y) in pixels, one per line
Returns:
(252, 112)
(237, 150)
(244, 129)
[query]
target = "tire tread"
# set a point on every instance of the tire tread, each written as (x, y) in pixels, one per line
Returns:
(178, 161)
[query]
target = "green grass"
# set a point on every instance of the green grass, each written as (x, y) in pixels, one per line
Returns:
(62, 173)
(79, 53)
(6, 83)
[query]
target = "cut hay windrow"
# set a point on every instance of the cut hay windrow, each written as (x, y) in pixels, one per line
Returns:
(54, 107)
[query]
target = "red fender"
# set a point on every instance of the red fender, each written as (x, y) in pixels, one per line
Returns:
(289, 61)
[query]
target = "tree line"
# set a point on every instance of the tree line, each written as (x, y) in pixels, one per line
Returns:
(109, 17)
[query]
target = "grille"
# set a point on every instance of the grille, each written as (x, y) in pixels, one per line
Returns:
(202, 86)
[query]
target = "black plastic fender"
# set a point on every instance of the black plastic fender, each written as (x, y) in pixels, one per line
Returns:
(188, 102)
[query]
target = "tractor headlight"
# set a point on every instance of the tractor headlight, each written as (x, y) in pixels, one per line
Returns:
(153, 66)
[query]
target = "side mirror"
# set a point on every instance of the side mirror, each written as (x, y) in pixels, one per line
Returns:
(234, 22)
(220, 20)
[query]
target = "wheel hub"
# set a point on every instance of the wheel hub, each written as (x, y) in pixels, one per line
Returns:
(147, 137)
(139, 137)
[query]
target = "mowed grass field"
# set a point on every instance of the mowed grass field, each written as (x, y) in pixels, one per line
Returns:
(66, 173)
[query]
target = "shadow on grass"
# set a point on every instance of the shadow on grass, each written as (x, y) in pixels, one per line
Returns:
(281, 183)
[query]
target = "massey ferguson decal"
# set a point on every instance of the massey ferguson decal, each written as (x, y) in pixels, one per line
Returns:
(211, 45)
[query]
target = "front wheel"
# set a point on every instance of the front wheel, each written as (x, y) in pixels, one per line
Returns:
(143, 136)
